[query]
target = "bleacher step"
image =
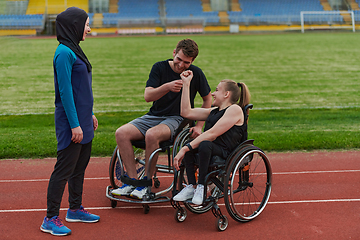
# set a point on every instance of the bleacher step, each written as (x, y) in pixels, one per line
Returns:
(224, 17)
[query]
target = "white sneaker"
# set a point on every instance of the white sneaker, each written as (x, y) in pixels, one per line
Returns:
(124, 190)
(198, 195)
(139, 192)
(185, 194)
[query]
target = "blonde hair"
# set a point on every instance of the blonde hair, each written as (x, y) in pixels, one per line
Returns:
(239, 92)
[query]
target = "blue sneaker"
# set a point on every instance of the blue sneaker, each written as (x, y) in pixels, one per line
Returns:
(54, 226)
(81, 215)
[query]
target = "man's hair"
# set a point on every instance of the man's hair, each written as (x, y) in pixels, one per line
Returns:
(188, 47)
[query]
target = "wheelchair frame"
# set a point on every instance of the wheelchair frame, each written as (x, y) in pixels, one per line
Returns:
(243, 180)
(117, 171)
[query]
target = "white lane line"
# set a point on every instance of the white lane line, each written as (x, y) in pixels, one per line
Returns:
(169, 206)
(46, 180)
(171, 176)
(316, 201)
(314, 172)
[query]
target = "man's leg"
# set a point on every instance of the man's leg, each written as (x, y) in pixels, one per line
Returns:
(153, 137)
(124, 135)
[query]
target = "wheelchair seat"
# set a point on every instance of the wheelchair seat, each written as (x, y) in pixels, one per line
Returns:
(217, 161)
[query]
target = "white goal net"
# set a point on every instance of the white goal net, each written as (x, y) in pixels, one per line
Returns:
(327, 20)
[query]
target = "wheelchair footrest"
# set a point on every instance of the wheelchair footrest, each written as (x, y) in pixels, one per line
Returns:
(136, 183)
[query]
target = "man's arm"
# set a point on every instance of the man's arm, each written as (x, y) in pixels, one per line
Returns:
(152, 94)
(197, 129)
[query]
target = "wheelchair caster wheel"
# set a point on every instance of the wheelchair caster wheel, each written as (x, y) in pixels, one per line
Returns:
(156, 183)
(180, 215)
(222, 223)
(146, 197)
(146, 208)
(113, 203)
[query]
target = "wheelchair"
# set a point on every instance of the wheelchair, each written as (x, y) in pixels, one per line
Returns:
(117, 171)
(243, 181)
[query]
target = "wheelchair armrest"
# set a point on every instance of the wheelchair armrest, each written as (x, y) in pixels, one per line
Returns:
(183, 125)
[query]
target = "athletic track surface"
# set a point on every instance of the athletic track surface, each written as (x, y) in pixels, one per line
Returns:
(314, 196)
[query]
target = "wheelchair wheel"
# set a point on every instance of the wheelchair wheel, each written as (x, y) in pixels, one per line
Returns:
(146, 208)
(222, 223)
(180, 215)
(247, 184)
(113, 203)
(116, 169)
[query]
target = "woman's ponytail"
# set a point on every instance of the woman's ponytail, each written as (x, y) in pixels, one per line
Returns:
(244, 95)
(239, 92)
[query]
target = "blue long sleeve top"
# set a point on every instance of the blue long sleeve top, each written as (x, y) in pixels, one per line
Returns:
(73, 97)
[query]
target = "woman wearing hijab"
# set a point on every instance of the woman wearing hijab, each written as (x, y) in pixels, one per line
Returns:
(74, 122)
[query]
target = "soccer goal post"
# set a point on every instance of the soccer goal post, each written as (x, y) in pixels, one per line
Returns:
(332, 19)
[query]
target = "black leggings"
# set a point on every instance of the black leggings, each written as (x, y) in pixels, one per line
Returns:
(202, 156)
(69, 168)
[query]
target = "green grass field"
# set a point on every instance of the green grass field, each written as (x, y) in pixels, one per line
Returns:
(304, 87)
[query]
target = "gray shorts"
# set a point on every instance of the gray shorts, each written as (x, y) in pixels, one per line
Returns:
(148, 121)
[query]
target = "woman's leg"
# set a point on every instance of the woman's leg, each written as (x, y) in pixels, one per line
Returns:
(190, 160)
(64, 167)
(76, 180)
(207, 149)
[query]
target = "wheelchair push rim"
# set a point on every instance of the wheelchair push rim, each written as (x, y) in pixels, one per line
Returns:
(247, 184)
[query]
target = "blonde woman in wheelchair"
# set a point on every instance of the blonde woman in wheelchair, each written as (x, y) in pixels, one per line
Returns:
(225, 128)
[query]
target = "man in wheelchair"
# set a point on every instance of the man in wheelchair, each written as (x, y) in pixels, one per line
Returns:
(225, 128)
(163, 88)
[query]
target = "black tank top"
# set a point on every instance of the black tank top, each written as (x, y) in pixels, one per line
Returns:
(232, 137)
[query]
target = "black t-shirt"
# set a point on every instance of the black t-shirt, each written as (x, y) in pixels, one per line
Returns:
(230, 139)
(169, 104)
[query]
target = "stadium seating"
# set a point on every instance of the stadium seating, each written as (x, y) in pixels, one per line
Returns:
(356, 11)
(176, 9)
(132, 10)
(138, 9)
(34, 21)
(54, 6)
(176, 13)
(277, 11)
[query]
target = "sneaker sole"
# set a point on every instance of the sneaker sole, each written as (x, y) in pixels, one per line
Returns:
(52, 232)
(182, 199)
(135, 197)
(80, 220)
(116, 194)
(122, 194)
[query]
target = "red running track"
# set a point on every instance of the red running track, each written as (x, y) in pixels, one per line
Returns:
(314, 196)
